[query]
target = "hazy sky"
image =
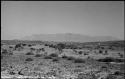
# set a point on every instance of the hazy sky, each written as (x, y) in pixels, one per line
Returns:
(94, 18)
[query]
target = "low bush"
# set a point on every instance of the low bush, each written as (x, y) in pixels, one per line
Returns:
(78, 60)
(4, 52)
(64, 56)
(80, 52)
(100, 51)
(86, 76)
(47, 57)
(55, 60)
(110, 59)
(29, 59)
(118, 73)
(110, 76)
(53, 55)
(29, 53)
(38, 55)
(70, 58)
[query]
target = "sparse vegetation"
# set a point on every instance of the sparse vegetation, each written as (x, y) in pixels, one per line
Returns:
(38, 55)
(55, 60)
(53, 55)
(47, 57)
(78, 60)
(70, 58)
(48, 62)
(80, 52)
(64, 56)
(110, 76)
(29, 59)
(29, 53)
(110, 59)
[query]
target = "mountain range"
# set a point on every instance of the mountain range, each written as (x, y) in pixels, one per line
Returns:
(68, 37)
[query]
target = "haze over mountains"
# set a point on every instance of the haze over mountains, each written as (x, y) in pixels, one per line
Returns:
(68, 37)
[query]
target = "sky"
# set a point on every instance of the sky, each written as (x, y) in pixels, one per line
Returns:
(92, 18)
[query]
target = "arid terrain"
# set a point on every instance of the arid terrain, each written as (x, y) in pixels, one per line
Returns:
(62, 60)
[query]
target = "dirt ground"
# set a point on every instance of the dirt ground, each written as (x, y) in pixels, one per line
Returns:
(67, 65)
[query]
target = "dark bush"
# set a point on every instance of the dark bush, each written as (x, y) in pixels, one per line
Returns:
(38, 55)
(110, 76)
(70, 58)
(24, 44)
(4, 51)
(12, 73)
(42, 49)
(51, 73)
(29, 53)
(100, 51)
(46, 44)
(104, 67)
(29, 59)
(53, 55)
(80, 52)
(60, 45)
(86, 54)
(121, 55)
(118, 73)
(107, 59)
(11, 53)
(86, 76)
(119, 60)
(29, 45)
(47, 57)
(78, 60)
(55, 60)
(110, 59)
(64, 56)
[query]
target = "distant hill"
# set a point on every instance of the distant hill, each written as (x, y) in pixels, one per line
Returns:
(68, 37)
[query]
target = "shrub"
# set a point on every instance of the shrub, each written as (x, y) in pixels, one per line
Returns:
(107, 59)
(51, 73)
(64, 56)
(110, 59)
(11, 53)
(121, 55)
(100, 51)
(60, 45)
(42, 49)
(85, 53)
(118, 73)
(86, 76)
(110, 76)
(38, 55)
(80, 52)
(29, 59)
(53, 55)
(46, 44)
(29, 45)
(78, 60)
(77, 70)
(119, 60)
(29, 53)
(4, 52)
(47, 57)
(70, 58)
(12, 73)
(24, 44)
(55, 60)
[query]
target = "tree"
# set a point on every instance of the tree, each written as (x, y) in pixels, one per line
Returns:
(60, 47)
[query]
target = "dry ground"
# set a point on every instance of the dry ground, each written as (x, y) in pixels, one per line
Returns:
(66, 67)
